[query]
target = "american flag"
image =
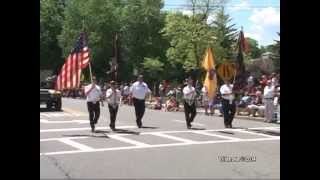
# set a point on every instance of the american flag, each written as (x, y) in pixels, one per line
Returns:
(78, 59)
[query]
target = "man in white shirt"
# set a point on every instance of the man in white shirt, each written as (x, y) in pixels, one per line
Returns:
(139, 90)
(94, 95)
(268, 95)
(113, 96)
(189, 95)
(228, 103)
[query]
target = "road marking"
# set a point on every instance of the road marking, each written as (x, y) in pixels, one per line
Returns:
(267, 128)
(62, 122)
(180, 121)
(173, 137)
(77, 145)
(253, 133)
(158, 145)
(75, 112)
(57, 139)
(215, 135)
(126, 140)
(83, 129)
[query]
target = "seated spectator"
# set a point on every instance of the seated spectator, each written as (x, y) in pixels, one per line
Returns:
(243, 104)
(171, 104)
(157, 105)
(256, 106)
(216, 104)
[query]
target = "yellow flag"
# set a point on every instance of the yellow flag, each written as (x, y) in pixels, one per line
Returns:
(211, 78)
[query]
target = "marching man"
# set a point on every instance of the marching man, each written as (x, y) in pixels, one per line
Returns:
(189, 95)
(113, 96)
(94, 95)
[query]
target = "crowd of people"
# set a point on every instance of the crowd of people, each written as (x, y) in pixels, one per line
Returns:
(260, 98)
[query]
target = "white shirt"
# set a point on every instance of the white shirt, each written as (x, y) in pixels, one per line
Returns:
(114, 98)
(268, 92)
(126, 90)
(205, 93)
(139, 90)
(227, 90)
(188, 89)
(94, 95)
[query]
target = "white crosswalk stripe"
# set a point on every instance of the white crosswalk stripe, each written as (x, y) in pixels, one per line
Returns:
(134, 144)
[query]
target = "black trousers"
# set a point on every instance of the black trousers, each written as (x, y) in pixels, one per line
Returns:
(229, 111)
(94, 112)
(139, 106)
(190, 112)
(113, 115)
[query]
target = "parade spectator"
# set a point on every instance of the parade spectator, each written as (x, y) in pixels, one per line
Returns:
(243, 104)
(216, 104)
(171, 104)
(263, 81)
(162, 92)
(157, 105)
(178, 96)
(125, 93)
(205, 99)
(250, 81)
(256, 106)
(268, 95)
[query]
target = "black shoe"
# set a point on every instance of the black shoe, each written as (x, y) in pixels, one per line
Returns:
(112, 128)
(92, 129)
(140, 126)
(189, 126)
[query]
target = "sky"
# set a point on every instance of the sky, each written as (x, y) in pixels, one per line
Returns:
(260, 19)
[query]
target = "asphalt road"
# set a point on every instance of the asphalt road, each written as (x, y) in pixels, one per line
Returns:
(164, 149)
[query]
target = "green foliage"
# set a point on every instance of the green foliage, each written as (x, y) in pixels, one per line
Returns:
(255, 51)
(51, 19)
(225, 36)
(159, 44)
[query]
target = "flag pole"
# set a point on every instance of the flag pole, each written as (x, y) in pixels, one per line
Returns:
(83, 29)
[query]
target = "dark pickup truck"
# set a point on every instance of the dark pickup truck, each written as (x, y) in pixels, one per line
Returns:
(49, 96)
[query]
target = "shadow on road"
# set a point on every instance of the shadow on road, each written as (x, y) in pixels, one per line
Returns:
(225, 132)
(239, 128)
(272, 133)
(125, 131)
(149, 127)
(193, 128)
(87, 135)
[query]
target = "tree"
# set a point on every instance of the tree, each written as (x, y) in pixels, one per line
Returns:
(141, 22)
(189, 36)
(154, 67)
(137, 24)
(51, 18)
(225, 36)
(254, 50)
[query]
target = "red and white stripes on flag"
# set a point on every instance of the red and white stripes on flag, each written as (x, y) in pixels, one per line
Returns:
(69, 76)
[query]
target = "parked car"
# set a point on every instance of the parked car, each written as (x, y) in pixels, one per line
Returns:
(49, 96)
